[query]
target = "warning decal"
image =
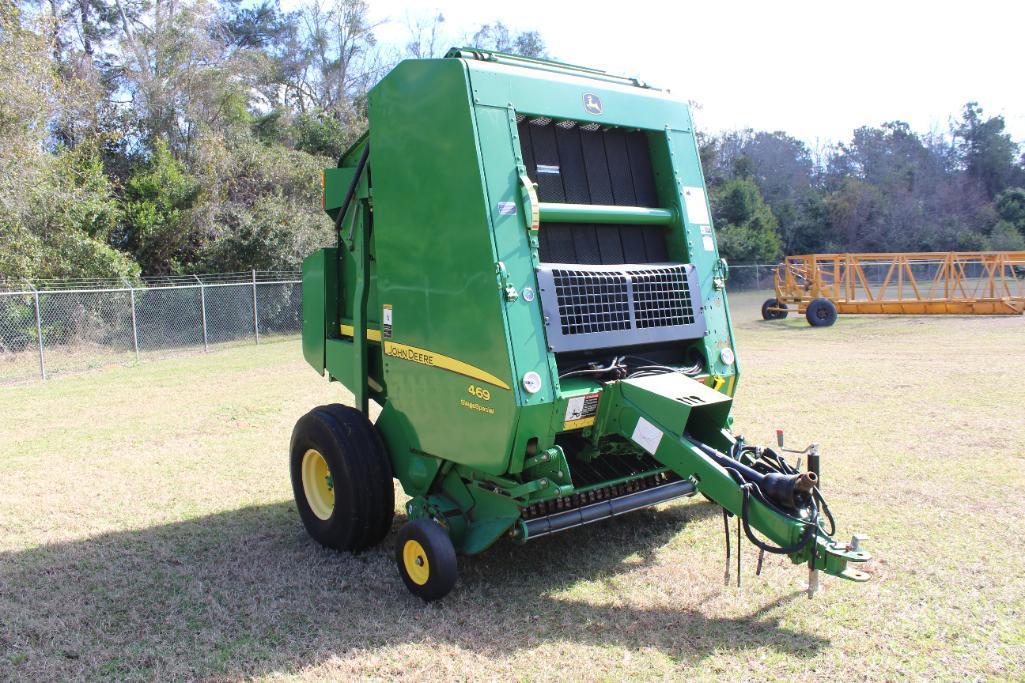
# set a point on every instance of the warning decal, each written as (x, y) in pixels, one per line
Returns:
(580, 411)
(386, 321)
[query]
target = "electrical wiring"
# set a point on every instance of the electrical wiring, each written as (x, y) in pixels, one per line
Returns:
(615, 364)
(619, 365)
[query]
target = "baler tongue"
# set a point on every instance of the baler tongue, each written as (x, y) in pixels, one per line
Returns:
(683, 425)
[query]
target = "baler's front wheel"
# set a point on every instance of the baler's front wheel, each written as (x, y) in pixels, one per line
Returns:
(341, 478)
(426, 559)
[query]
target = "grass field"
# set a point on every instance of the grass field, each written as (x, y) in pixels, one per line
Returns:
(147, 532)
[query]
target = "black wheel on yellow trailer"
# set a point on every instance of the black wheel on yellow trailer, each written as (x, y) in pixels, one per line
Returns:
(820, 313)
(426, 559)
(341, 478)
(774, 309)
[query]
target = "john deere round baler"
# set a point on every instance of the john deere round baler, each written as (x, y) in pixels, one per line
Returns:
(526, 280)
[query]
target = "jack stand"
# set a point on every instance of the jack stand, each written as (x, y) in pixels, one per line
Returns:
(726, 526)
(761, 557)
(813, 582)
(738, 551)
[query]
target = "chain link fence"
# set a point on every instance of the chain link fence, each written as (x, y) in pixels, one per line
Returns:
(53, 327)
(750, 277)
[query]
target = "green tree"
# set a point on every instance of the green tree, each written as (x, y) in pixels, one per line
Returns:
(320, 135)
(158, 226)
(986, 150)
(68, 219)
(744, 222)
(261, 205)
(1010, 207)
(497, 36)
(1006, 237)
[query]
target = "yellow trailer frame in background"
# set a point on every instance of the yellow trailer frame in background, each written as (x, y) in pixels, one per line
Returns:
(960, 283)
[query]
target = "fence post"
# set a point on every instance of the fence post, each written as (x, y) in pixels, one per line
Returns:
(135, 328)
(39, 333)
(256, 311)
(202, 307)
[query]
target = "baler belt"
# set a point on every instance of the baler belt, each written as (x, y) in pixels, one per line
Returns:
(581, 166)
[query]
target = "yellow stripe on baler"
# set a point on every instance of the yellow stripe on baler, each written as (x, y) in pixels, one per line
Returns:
(428, 358)
(372, 334)
(437, 360)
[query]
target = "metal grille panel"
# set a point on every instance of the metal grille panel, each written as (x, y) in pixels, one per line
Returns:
(591, 301)
(593, 307)
(661, 297)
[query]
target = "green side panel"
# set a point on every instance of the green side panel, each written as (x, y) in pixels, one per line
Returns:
(414, 469)
(493, 515)
(341, 357)
(436, 268)
(499, 151)
(536, 422)
(680, 152)
(349, 266)
(320, 284)
(336, 183)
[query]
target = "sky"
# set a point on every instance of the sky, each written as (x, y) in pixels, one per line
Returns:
(816, 70)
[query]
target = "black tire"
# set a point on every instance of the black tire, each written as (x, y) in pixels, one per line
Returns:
(358, 478)
(383, 467)
(424, 548)
(769, 314)
(820, 313)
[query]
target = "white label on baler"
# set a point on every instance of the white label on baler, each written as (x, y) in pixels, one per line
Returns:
(549, 169)
(697, 208)
(574, 408)
(647, 435)
(707, 242)
(507, 208)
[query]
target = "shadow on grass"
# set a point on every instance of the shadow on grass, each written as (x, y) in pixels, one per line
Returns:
(247, 593)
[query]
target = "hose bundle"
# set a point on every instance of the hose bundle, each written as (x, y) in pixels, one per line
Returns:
(768, 461)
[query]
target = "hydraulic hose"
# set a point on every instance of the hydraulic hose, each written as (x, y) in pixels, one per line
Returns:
(360, 165)
(785, 490)
(798, 545)
(825, 508)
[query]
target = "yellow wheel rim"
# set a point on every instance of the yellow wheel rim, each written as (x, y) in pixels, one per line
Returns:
(317, 484)
(415, 560)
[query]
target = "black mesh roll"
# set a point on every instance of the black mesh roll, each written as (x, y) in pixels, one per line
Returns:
(579, 166)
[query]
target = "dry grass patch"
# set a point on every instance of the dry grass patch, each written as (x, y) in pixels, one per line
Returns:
(147, 531)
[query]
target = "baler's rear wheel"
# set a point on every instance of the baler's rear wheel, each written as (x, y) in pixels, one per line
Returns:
(341, 478)
(426, 559)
